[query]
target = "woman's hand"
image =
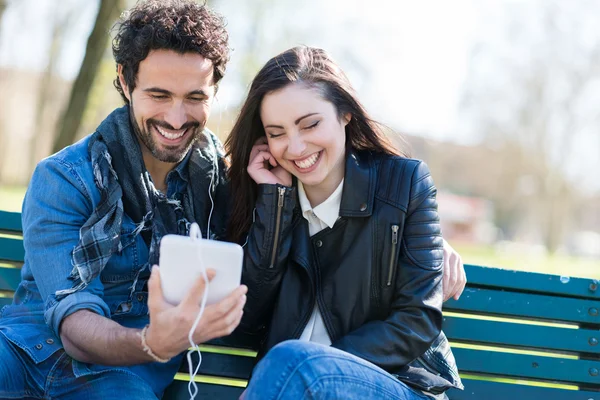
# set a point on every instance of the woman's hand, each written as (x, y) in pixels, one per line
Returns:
(260, 160)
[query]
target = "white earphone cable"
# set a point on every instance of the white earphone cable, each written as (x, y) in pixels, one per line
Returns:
(195, 234)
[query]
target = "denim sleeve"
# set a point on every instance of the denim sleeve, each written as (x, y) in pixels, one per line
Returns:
(55, 207)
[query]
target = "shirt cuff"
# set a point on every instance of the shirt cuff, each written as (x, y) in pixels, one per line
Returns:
(57, 311)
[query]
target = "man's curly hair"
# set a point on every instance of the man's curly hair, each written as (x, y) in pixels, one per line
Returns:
(180, 25)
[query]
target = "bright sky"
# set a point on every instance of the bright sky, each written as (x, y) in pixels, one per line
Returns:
(406, 58)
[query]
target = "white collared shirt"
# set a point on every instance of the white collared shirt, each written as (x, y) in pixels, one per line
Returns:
(322, 216)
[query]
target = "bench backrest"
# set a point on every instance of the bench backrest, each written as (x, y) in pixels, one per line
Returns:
(11, 254)
(515, 334)
(527, 328)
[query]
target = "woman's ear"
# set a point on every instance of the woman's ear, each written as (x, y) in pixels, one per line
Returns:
(347, 118)
(123, 83)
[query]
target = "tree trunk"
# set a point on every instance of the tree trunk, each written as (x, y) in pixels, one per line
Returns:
(3, 5)
(96, 45)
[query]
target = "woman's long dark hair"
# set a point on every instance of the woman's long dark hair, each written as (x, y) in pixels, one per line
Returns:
(314, 68)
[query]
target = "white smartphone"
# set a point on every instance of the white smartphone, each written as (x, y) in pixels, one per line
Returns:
(182, 259)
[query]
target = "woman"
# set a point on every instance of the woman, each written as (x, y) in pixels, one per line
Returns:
(344, 249)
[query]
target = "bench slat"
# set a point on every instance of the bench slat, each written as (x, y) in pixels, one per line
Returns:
(224, 365)
(532, 282)
(4, 301)
(522, 335)
(11, 249)
(477, 390)
(10, 221)
(534, 306)
(178, 390)
(527, 366)
(9, 278)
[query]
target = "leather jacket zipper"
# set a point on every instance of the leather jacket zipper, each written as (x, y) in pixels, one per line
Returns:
(277, 223)
(393, 256)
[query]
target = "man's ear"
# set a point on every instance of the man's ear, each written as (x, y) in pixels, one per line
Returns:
(123, 83)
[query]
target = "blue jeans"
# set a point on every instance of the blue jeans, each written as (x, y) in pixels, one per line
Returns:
(304, 370)
(55, 378)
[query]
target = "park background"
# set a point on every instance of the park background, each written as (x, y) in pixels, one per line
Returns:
(500, 97)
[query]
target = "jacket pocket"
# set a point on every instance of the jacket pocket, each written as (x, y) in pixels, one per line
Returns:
(124, 264)
(280, 198)
(393, 255)
(388, 247)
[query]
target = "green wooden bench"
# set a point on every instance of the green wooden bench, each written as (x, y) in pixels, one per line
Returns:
(515, 335)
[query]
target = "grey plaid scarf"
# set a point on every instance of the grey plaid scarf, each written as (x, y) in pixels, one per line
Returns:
(126, 187)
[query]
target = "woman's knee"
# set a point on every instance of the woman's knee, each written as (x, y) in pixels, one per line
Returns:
(290, 357)
(297, 348)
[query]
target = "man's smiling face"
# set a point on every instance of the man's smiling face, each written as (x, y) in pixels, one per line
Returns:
(171, 102)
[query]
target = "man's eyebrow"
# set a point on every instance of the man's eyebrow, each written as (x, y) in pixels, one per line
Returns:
(157, 90)
(296, 122)
(197, 92)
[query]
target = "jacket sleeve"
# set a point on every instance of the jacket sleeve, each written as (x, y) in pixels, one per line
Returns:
(415, 319)
(266, 253)
(55, 208)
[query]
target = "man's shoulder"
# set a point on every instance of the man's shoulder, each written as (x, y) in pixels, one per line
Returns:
(72, 156)
(211, 144)
(69, 168)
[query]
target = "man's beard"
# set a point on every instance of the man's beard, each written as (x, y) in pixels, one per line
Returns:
(168, 154)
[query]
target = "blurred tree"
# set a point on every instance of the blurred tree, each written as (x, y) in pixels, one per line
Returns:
(530, 93)
(3, 5)
(60, 21)
(69, 124)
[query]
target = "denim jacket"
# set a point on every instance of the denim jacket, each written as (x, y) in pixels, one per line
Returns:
(60, 198)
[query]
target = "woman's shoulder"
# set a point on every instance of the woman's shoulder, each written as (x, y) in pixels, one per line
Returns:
(399, 178)
(392, 165)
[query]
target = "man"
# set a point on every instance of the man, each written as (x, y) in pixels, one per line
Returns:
(89, 319)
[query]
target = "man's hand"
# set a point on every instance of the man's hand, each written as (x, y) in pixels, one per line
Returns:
(167, 334)
(455, 278)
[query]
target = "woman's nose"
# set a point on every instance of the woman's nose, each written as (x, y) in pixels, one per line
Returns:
(296, 147)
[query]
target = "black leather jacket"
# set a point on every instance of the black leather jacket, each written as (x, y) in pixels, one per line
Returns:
(376, 275)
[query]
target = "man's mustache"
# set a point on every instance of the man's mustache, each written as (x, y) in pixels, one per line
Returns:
(166, 125)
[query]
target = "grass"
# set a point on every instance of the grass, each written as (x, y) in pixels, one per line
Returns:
(11, 197)
(556, 264)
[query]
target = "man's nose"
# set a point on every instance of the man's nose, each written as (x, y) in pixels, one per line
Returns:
(176, 116)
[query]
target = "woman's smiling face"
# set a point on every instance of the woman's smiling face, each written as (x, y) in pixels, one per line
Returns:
(305, 135)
